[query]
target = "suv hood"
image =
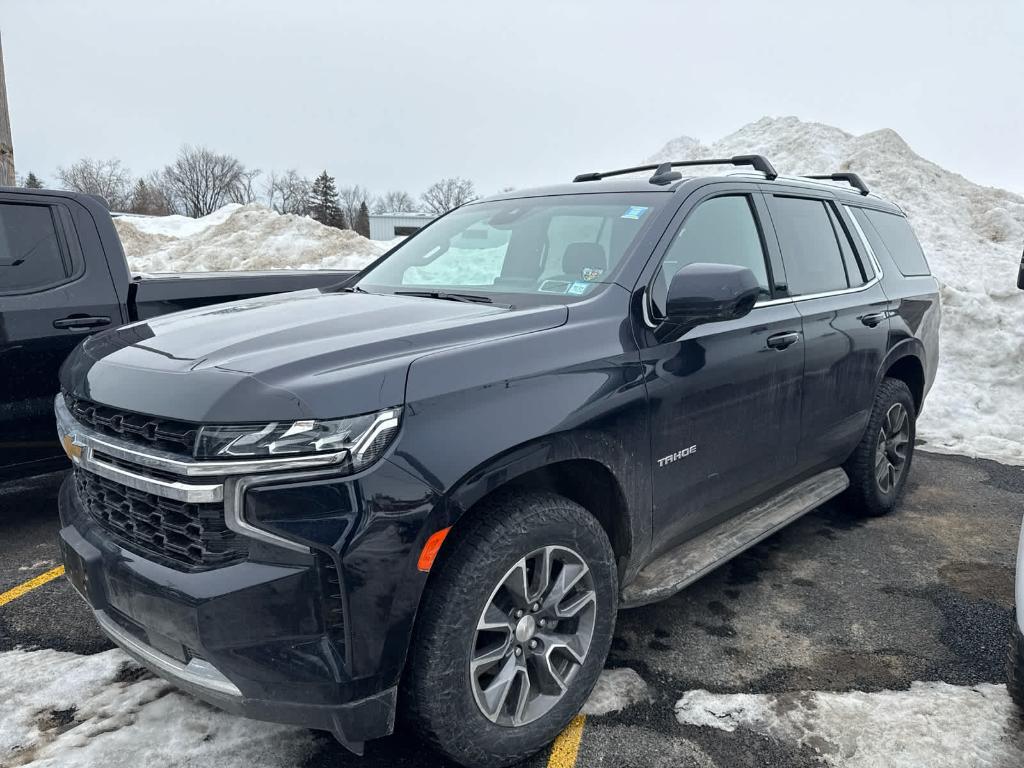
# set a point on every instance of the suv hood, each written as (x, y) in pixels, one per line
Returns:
(292, 356)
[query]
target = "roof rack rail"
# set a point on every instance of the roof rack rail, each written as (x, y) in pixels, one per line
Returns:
(852, 179)
(663, 173)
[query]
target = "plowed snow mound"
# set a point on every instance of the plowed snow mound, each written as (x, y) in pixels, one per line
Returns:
(240, 237)
(973, 237)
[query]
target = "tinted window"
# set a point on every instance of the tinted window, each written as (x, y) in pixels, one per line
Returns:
(719, 231)
(854, 273)
(899, 240)
(814, 263)
(29, 254)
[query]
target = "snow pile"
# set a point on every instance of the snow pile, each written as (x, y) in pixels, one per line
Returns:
(932, 724)
(616, 689)
(103, 710)
(972, 236)
(241, 237)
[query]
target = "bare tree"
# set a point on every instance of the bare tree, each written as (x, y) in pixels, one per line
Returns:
(107, 178)
(202, 180)
(245, 191)
(395, 201)
(148, 198)
(349, 199)
(161, 193)
(287, 192)
(446, 194)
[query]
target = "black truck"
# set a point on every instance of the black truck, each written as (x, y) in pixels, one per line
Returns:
(426, 493)
(63, 275)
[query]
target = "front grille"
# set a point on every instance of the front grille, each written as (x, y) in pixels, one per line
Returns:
(172, 436)
(193, 535)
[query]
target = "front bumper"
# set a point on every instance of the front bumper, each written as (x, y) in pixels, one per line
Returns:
(246, 638)
(261, 635)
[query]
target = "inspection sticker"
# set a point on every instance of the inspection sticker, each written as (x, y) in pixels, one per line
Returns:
(634, 212)
(577, 288)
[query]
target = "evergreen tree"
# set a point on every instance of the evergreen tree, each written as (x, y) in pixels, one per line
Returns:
(362, 223)
(323, 202)
(32, 181)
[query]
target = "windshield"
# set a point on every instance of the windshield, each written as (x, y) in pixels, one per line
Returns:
(564, 245)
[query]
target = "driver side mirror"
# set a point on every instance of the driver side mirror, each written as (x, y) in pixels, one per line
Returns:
(709, 293)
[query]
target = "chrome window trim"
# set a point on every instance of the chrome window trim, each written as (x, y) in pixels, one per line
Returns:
(197, 672)
(864, 241)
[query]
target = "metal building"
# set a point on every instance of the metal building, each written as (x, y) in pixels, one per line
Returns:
(388, 226)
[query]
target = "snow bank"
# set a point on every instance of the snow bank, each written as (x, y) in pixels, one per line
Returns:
(973, 237)
(238, 237)
(103, 710)
(932, 724)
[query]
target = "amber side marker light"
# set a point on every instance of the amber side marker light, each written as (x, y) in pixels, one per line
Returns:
(431, 548)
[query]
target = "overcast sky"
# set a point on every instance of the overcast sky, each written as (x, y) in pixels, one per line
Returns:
(396, 95)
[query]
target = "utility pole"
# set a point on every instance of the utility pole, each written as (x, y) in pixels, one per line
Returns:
(6, 145)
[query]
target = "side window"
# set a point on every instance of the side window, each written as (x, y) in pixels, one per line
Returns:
(854, 274)
(30, 257)
(810, 249)
(899, 240)
(718, 231)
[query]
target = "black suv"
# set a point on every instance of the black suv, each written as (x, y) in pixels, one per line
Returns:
(427, 491)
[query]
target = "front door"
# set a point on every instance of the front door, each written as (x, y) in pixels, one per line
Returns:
(48, 302)
(724, 398)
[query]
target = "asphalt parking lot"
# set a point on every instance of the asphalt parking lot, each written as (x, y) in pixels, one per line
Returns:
(830, 604)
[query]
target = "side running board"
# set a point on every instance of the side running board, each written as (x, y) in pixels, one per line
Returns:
(691, 560)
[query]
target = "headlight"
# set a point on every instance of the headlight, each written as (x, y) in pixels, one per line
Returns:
(363, 437)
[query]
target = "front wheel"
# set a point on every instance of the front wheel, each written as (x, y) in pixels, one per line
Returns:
(879, 465)
(513, 631)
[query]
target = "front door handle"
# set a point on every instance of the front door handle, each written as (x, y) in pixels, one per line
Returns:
(81, 322)
(873, 319)
(783, 340)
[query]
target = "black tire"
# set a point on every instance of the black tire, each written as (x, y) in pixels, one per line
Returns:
(866, 495)
(438, 693)
(1015, 668)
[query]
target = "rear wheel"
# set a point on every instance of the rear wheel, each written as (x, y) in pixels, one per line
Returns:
(879, 466)
(513, 631)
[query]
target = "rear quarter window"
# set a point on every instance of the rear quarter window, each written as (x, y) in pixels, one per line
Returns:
(893, 233)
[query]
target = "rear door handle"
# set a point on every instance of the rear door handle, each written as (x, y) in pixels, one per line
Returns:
(873, 319)
(81, 322)
(783, 340)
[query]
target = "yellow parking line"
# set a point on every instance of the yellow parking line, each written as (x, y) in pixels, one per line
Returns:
(567, 745)
(28, 586)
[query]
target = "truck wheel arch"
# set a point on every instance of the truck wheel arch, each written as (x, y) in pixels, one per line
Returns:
(905, 362)
(555, 466)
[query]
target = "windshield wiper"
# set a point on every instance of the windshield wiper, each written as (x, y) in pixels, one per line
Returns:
(470, 298)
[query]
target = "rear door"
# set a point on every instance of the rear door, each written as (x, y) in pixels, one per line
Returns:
(48, 302)
(836, 289)
(725, 398)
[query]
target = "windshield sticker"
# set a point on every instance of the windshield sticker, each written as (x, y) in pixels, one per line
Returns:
(577, 288)
(634, 212)
(590, 274)
(555, 286)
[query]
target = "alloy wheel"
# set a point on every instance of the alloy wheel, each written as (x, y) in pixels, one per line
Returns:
(891, 450)
(533, 636)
